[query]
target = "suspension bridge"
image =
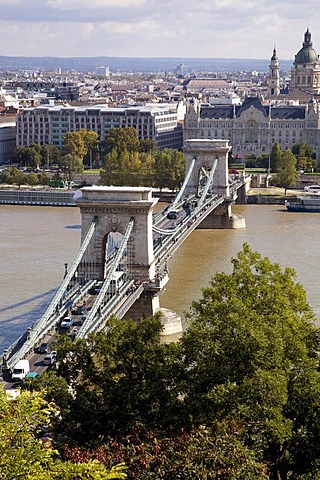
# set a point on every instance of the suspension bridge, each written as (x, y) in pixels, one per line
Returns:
(122, 262)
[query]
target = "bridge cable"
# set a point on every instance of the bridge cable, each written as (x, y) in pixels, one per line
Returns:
(182, 189)
(43, 325)
(209, 182)
(87, 326)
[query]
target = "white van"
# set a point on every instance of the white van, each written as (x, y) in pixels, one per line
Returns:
(20, 370)
(312, 188)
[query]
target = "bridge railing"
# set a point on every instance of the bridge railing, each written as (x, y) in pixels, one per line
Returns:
(173, 238)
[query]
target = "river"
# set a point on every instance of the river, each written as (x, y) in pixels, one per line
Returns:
(36, 242)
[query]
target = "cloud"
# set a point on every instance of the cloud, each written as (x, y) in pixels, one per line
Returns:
(74, 5)
(179, 28)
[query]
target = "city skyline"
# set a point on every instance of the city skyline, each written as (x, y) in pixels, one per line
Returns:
(157, 28)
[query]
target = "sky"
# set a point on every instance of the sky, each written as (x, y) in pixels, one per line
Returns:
(157, 28)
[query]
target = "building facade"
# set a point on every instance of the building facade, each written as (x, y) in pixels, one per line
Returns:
(49, 124)
(252, 127)
(7, 140)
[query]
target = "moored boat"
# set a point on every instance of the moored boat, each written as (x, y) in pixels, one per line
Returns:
(304, 203)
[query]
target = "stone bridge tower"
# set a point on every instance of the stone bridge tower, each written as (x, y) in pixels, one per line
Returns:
(204, 152)
(114, 207)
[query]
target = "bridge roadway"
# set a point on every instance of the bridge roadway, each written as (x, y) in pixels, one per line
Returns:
(167, 237)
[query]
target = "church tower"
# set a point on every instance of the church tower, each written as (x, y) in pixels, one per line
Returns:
(274, 76)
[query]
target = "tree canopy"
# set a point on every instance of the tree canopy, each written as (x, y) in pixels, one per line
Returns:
(125, 138)
(238, 397)
(70, 165)
(286, 173)
(27, 451)
(305, 155)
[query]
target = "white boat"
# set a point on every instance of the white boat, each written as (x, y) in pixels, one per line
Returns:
(304, 203)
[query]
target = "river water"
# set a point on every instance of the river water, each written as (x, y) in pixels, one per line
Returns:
(36, 242)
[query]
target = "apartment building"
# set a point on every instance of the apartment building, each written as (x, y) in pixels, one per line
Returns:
(48, 124)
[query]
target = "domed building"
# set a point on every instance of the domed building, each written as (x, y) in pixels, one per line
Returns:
(288, 117)
(305, 73)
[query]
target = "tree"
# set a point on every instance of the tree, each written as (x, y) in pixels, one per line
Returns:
(20, 156)
(50, 155)
(125, 138)
(148, 145)
(306, 158)
(109, 169)
(127, 168)
(17, 177)
(90, 141)
(275, 156)
(70, 166)
(26, 449)
(248, 337)
(203, 453)
(126, 379)
(286, 173)
(32, 179)
(74, 144)
(43, 178)
(169, 169)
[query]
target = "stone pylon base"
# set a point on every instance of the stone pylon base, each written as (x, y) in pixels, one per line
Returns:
(170, 320)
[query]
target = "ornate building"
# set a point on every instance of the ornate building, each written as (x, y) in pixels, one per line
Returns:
(253, 127)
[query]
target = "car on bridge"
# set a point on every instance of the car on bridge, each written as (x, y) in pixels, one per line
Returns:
(66, 323)
(32, 375)
(50, 358)
(44, 347)
(173, 214)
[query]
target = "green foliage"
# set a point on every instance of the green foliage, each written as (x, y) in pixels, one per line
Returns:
(74, 144)
(169, 169)
(50, 155)
(247, 336)
(32, 179)
(238, 397)
(26, 450)
(70, 165)
(286, 173)
(164, 170)
(125, 138)
(203, 453)
(305, 155)
(148, 145)
(43, 178)
(275, 156)
(126, 381)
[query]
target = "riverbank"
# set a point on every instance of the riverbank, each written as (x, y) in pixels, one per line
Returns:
(63, 197)
(270, 196)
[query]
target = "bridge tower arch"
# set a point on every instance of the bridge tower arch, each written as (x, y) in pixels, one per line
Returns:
(207, 154)
(113, 208)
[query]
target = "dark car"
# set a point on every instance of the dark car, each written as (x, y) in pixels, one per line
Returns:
(173, 214)
(44, 348)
